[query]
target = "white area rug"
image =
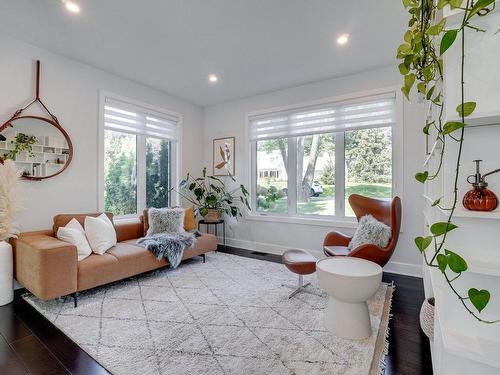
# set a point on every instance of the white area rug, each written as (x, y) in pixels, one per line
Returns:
(228, 316)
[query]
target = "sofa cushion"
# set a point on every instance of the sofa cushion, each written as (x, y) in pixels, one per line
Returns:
(165, 220)
(134, 259)
(100, 232)
(128, 230)
(204, 244)
(127, 259)
(63, 219)
(189, 220)
(97, 270)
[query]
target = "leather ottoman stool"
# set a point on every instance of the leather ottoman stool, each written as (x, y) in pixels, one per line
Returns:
(301, 263)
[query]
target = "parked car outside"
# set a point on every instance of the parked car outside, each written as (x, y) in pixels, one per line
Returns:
(316, 189)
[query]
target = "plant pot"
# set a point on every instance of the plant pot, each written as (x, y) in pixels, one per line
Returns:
(6, 274)
(213, 214)
(427, 317)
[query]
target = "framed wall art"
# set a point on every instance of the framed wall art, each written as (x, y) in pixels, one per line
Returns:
(223, 156)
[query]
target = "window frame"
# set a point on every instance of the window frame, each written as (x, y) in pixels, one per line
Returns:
(141, 155)
(338, 219)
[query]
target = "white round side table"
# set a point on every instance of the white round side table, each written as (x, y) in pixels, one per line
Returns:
(6, 274)
(349, 283)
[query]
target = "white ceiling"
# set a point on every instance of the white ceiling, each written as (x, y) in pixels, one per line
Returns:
(254, 46)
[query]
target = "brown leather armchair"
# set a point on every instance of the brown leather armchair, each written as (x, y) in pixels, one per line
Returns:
(384, 211)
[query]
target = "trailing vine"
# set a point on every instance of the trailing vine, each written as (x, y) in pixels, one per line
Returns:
(425, 42)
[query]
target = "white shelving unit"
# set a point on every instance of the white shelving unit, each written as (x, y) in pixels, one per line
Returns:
(461, 344)
(45, 152)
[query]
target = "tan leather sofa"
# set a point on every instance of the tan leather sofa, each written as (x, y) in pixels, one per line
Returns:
(48, 267)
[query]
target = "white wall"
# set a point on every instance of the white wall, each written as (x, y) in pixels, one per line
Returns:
(228, 119)
(70, 90)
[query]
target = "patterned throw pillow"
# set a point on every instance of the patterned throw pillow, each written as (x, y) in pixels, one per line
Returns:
(165, 220)
(370, 231)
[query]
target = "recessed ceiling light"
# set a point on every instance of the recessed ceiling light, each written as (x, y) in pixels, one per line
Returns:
(212, 78)
(71, 6)
(343, 39)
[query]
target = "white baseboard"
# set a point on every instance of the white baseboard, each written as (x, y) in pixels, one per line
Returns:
(392, 267)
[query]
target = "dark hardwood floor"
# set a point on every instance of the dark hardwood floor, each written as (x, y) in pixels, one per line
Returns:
(30, 344)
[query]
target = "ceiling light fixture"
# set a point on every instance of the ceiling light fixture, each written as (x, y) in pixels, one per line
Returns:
(212, 78)
(71, 6)
(343, 39)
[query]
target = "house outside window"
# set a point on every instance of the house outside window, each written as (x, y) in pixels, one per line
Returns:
(307, 160)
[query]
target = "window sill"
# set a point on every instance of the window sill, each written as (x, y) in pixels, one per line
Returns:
(323, 222)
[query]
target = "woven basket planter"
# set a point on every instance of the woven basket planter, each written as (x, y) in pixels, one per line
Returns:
(213, 214)
(427, 317)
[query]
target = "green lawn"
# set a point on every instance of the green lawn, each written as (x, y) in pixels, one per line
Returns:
(325, 203)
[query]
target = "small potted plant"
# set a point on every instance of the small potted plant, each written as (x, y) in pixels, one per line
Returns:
(212, 198)
(22, 143)
(9, 206)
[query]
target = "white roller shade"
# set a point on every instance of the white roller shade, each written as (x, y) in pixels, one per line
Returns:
(369, 112)
(129, 118)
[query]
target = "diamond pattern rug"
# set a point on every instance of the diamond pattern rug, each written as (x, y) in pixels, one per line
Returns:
(230, 315)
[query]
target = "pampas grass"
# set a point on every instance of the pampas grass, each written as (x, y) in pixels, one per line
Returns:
(9, 199)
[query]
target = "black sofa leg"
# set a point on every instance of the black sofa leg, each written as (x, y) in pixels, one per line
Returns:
(75, 299)
(204, 257)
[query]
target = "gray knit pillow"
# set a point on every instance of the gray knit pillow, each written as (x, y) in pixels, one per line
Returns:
(370, 231)
(165, 220)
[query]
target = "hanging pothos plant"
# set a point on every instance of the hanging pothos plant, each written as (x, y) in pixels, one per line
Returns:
(425, 42)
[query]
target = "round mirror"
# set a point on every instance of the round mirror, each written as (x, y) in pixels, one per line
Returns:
(40, 147)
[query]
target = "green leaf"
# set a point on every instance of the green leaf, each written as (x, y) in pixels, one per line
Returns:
(467, 108)
(481, 4)
(406, 3)
(442, 3)
(437, 28)
(403, 69)
(426, 128)
(404, 50)
(451, 126)
(422, 176)
(409, 81)
(421, 87)
(423, 243)
(442, 262)
(436, 202)
(456, 262)
(438, 229)
(408, 36)
(430, 92)
(203, 211)
(198, 192)
(448, 39)
(479, 298)
(192, 186)
(456, 3)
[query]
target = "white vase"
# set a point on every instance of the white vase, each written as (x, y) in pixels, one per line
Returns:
(6, 274)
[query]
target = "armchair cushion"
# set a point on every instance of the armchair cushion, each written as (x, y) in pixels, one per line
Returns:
(370, 231)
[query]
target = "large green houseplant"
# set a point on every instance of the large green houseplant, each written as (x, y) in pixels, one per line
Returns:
(426, 40)
(211, 196)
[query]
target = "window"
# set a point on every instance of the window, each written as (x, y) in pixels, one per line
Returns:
(139, 152)
(307, 161)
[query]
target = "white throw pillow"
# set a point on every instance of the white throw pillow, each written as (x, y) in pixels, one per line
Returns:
(100, 233)
(370, 231)
(166, 220)
(75, 236)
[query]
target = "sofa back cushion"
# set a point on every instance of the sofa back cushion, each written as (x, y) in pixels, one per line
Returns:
(63, 219)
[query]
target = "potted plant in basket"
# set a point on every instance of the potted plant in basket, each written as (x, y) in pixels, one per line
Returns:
(9, 206)
(212, 198)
